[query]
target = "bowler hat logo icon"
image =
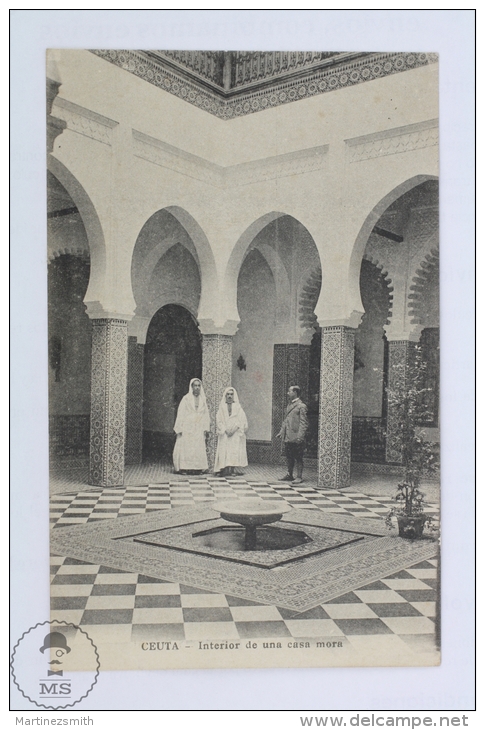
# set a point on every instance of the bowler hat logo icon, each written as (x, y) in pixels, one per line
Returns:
(55, 670)
(55, 640)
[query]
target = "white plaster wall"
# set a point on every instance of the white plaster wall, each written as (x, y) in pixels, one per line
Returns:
(163, 238)
(112, 92)
(109, 90)
(333, 202)
(175, 280)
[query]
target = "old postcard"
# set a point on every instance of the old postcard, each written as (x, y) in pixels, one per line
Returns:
(244, 357)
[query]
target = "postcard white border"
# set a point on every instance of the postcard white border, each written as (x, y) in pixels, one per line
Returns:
(449, 32)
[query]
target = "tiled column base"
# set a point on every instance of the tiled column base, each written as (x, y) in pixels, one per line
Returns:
(400, 354)
(290, 367)
(108, 402)
(216, 376)
(335, 407)
(134, 402)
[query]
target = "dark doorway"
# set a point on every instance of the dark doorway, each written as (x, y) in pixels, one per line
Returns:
(69, 358)
(173, 356)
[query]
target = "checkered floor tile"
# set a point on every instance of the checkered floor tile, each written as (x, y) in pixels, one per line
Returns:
(98, 503)
(399, 609)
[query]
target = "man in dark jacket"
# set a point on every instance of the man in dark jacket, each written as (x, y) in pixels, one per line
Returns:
(292, 435)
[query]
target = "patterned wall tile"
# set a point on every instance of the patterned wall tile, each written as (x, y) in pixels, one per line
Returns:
(279, 397)
(400, 352)
(134, 402)
(362, 467)
(216, 376)
(259, 452)
(335, 407)
(108, 401)
(290, 367)
(68, 436)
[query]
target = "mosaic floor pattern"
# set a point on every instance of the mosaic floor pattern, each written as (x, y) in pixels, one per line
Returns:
(399, 607)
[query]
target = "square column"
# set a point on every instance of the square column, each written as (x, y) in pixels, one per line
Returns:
(216, 376)
(108, 401)
(399, 363)
(291, 363)
(134, 402)
(335, 407)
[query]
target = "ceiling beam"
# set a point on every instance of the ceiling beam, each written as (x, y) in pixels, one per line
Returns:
(388, 234)
(59, 213)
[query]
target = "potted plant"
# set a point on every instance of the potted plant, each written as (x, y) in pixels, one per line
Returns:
(407, 401)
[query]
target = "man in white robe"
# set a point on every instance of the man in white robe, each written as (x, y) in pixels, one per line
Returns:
(232, 425)
(191, 426)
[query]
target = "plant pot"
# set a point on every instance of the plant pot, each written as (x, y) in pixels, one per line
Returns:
(411, 526)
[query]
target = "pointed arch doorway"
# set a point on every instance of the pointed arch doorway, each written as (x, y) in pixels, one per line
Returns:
(173, 356)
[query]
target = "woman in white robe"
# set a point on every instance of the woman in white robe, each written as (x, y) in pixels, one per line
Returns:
(232, 425)
(191, 426)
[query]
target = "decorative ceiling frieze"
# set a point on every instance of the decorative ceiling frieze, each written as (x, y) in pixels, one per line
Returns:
(393, 141)
(231, 84)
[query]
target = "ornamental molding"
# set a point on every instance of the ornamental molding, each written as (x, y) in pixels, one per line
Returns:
(393, 141)
(209, 327)
(226, 95)
(96, 311)
(396, 336)
(351, 322)
(71, 250)
(269, 168)
(230, 70)
(166, 155)
(84, 121)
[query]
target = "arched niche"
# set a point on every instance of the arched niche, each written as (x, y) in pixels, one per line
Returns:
(66, 233)
(253, 342)
(293, 248)
(399, 289)
(423, 299)
(175, 279)
(91, 223)
(424, 308)
(274, 254)
(370, 345)
(369, 224)
(169, 228)
(289, 250)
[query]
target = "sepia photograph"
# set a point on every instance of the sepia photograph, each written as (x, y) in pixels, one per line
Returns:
(244, 356)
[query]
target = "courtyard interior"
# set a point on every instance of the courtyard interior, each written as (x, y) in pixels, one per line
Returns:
(396, 613)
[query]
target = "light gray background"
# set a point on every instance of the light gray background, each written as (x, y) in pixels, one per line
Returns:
(449, 32)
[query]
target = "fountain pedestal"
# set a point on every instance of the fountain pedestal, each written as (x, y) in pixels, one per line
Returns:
(251, 514)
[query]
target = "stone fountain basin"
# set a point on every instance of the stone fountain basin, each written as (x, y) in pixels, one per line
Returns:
(252, 513)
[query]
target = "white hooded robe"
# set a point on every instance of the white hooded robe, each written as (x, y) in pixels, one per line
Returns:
(231, 448)
(190, 427)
